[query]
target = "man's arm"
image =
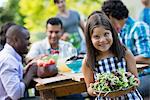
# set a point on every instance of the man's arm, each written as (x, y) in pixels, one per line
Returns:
(142, 37)
(10, 76)
(30, 73)
(82, 25)
(33, 52)
(140, 59)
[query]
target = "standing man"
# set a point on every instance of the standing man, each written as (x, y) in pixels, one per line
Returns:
(134, 34)
(13, 82)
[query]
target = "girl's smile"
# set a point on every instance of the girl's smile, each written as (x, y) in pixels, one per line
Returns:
(102, 38)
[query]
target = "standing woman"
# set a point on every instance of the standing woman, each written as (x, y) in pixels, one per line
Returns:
(71, 23)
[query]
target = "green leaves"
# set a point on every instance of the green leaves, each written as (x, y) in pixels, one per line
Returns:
(109, 82)
(33, 14)
(38, 11)
(9, 12)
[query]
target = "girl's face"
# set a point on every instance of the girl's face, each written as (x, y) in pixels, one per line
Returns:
(101, 38)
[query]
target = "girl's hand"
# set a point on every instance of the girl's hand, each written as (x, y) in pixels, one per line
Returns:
(138, 81)
(91, 91)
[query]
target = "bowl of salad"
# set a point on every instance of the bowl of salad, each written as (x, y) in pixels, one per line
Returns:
(115, 84)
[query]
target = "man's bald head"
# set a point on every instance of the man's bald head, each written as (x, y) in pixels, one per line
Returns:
(15, 31)
(18, 37)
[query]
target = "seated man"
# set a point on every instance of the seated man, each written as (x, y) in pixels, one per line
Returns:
(12, 81)
(51, 42)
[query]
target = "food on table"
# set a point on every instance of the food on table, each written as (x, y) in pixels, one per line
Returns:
(47, 60)
(47, 66)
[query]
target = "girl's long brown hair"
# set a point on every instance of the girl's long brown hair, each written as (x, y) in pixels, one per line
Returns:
(95, 19)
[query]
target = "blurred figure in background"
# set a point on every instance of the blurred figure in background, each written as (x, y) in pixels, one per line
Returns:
(3, 31)
(134, 34)
(145, 14)
(71, 23)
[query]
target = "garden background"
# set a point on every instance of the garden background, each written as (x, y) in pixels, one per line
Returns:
(34, 13)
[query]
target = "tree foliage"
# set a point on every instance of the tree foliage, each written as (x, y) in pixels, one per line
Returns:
(9, 12)
(34, 13)
(38, 11)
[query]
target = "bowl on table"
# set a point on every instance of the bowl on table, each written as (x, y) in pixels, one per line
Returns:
(74, 63)
(47, 66)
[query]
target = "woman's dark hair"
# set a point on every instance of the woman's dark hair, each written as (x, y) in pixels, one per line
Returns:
(96, 19)
(54, 21)
(115, 8)
(56, 1)
(3, 31)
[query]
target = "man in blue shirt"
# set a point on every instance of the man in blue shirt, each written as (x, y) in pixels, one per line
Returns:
(13, 82)
(134, 34)
(145, 14)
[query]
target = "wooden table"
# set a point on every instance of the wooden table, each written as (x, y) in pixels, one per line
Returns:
(64, 87)
(50, 88)
(142, 66)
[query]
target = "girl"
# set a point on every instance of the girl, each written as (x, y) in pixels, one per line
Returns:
(105, 53)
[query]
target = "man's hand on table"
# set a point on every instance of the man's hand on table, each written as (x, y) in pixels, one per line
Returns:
(30, 71)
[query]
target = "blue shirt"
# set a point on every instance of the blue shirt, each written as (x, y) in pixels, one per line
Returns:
(136, 36)
(145, 16)
(11, 74)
